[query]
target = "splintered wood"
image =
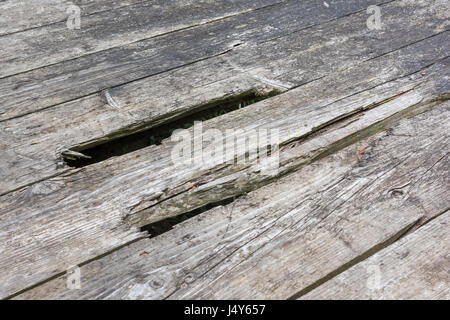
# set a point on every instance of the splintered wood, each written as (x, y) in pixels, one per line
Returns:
(357, 207)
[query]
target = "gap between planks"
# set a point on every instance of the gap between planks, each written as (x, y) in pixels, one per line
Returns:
(415, 267)
(258, 254)
(116, 233)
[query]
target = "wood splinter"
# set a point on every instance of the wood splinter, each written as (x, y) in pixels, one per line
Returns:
(74, 155)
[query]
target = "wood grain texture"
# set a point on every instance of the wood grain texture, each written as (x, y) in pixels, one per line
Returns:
(416, 267)
(363, 120)
(286, 236)
(158, 99)
(55, 84)
(97, 208)
(22, 15)
(112, 28)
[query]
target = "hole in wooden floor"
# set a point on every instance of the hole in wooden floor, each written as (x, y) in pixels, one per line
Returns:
(162, 226)
(80, 157)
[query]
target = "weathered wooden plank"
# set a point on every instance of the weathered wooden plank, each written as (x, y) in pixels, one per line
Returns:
(49, 86)
(38, 158)
(174, 93)
(19, 15)
(216, 183)
(416, 267)
(34, 251)
(107, 29)
(92, 209)
(286, 236)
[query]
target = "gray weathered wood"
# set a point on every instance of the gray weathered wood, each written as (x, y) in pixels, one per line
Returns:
(97, 208)
(171, 94)
(112, 28)
(289, 235)
(55, 84)
(20, 15)
(342, 84)
(416, 267)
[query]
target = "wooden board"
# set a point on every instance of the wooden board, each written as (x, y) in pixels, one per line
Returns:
(290, 235)
(135, 65)
(51, 85)
(416, 267)
(212, 79)
(96, 210)
(110, 28)
(20, 15)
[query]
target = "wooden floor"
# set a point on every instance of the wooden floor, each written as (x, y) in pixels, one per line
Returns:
(359, 205)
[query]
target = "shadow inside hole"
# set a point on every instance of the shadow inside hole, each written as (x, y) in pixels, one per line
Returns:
(162, 226)
(155, 135)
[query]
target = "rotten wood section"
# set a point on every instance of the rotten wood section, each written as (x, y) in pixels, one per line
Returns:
(287, 236)
(86, 212)
(283, 63)
(340, 88)
(23, 15)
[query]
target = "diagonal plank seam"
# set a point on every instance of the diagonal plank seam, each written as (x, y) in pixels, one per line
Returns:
(151, 37)
(195, 61)
(323, 22)
(419, 223)
(354, 261)
(98, 257)
(60, 274)
(342, 120)
(125, 83)
(353, 94)
(126, 141)
(410, 228)
(85, 15)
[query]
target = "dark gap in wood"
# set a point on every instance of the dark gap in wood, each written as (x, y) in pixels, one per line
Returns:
(157, 228)
(82, 156)
(367, 254)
